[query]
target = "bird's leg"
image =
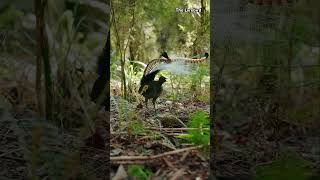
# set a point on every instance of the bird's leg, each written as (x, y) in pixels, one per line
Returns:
(154, 103)
(146, 102)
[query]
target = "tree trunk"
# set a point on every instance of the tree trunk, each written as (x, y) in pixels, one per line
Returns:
(196, 48)
(43, 55)
(318, 48)
(290, 52)
(48, 81)
(39, 12)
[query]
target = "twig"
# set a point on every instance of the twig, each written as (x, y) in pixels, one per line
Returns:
(175, 134)
(129, 162)
(163, 129)
(175, 129)
(165, 145)
(178, 174)
(147, 158)
(168, 162)
(184, 156)
(9, 152)
(14, 158)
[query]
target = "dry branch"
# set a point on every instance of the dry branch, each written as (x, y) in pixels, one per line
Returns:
(148, 158)
(176, 129)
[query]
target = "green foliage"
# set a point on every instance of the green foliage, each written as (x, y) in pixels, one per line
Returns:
(141, 33)
(199, 120)
(139, 172)
(9, 16)
(159, 28)
(197, 78)
(302, 28)
(137, 127)
(204, 98)
(122, 111)
(11, 38)
(133, 72)
(289, 166)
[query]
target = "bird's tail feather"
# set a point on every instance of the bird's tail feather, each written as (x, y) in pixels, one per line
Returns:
(175, 65)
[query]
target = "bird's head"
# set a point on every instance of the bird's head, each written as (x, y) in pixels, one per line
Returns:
(206, 55)
(164, 54)
(162, 79)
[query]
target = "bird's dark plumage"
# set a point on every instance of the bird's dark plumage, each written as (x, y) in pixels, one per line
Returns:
(206, 55)
(152, 90)
(146, 79)
(165, 55)
(149, 88)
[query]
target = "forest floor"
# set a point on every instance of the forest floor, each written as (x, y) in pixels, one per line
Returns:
(285, 151)
(171, 160)
(147, 137)
(156, 146)
(163, 154)
(242, 146)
